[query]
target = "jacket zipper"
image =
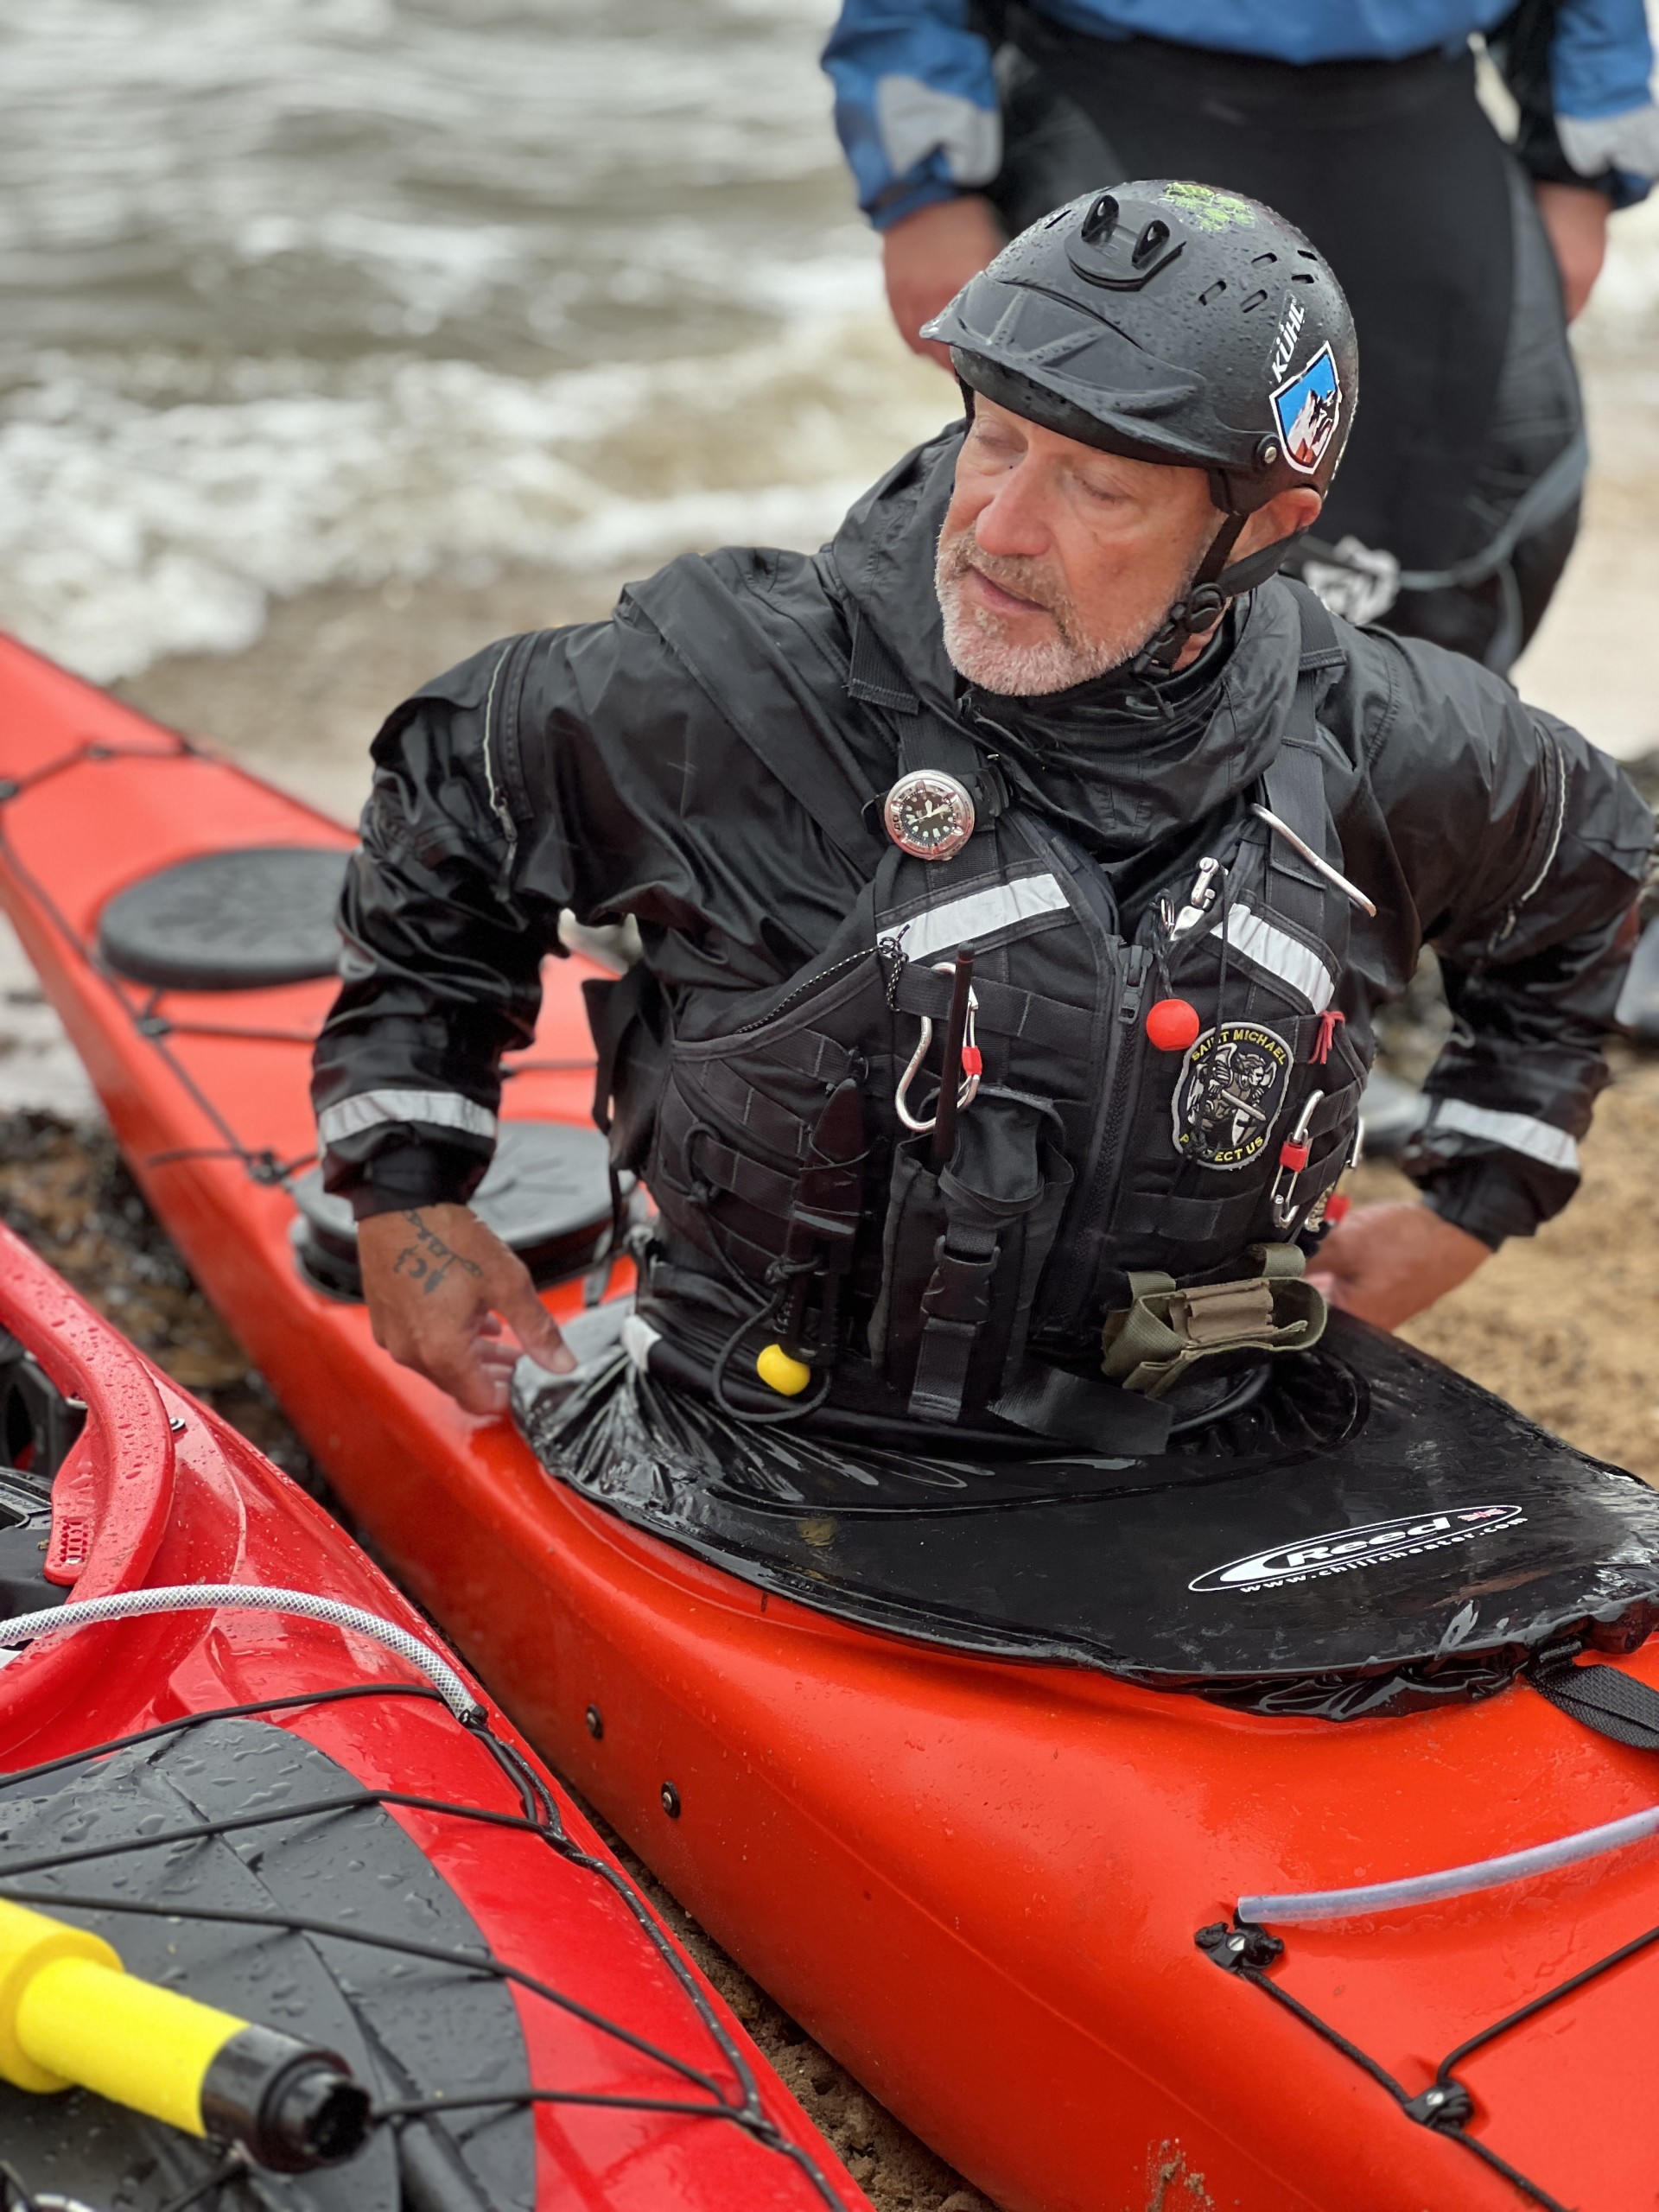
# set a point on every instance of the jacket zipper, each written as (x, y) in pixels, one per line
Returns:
(1121, 1085)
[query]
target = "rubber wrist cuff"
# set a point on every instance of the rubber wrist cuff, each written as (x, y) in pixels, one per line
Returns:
(406, 1175)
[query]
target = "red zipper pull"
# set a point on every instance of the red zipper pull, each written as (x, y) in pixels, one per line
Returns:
(1328, 1021)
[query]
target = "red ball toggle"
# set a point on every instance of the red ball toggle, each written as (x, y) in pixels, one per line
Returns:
(1172, 1025)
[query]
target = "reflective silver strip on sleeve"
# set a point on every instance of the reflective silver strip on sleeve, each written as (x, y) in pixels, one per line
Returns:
(369, 1109)
(961, 921)
(1515, 1132)
(1280, 955)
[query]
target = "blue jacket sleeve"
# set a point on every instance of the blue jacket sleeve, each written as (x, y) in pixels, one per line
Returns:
(916, 103)
(1601, 70)
(1581, 72)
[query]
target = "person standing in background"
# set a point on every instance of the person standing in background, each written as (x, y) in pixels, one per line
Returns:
(965, 120)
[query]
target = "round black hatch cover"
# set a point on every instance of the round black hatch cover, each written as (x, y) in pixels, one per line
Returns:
(547, 1195)
(230, 921)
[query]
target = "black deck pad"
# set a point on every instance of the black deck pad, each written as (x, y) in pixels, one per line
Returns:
(405, 2027)
(1373, 1532)
(229, 921)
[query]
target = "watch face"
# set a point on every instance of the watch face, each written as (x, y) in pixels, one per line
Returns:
(929, 815)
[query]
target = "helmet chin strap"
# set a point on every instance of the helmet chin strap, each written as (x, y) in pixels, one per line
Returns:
(1205, 600)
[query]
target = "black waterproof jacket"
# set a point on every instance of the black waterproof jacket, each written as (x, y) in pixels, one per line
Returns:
(603, 769)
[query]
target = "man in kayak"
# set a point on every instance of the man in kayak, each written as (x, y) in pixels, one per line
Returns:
(1464, 259)
(1017, 879)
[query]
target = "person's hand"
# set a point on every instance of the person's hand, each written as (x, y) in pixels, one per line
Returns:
(1387, 1262)
(1575, 218)
(439, 1286)
(928, 258)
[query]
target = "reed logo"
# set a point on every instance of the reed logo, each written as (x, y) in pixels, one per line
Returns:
(1342, 1549)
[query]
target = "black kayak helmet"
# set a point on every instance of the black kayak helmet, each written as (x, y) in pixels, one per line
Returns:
(1171, 322)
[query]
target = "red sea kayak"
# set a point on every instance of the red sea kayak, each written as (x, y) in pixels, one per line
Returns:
(304, 1816)
(1215, 1830)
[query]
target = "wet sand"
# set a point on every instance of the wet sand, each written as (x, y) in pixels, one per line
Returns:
(1564, 1325)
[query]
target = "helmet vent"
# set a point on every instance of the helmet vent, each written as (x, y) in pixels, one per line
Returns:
(1254, 301)
(1147, 245)
(1101, 221)
(1260, 258)
(1212, 291)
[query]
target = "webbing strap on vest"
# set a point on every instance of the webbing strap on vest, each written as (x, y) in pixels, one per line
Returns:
(1295, 778)
(955, 1304)
(873, 676)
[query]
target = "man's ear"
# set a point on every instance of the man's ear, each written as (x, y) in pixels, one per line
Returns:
(1286, 515)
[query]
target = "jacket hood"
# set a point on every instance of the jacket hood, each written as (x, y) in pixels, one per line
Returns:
(1126, 759)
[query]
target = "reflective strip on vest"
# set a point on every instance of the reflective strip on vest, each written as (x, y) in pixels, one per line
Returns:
(1515, 1132)
(961, 921)
(1281, 955)
(438, 1109)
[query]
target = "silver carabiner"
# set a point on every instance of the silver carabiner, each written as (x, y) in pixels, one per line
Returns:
(968, 1089)
(1292, 1158)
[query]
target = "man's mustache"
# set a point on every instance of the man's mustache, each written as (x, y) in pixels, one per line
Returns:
(1023, 577)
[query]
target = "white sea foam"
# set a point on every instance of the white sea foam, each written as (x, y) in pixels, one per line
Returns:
(317, 293)
(134, 525)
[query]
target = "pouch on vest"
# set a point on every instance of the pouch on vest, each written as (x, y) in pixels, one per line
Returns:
(1153, 1344)
(963, 1249)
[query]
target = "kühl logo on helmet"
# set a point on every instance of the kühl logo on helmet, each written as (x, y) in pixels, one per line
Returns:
(1290, 329)
(1308, 407)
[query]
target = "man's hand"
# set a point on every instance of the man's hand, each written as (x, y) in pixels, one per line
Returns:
(439, 1286)
(1387, 1262)
(928, 258)
(1575, 217)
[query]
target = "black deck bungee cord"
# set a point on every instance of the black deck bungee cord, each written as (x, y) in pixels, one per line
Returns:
(262, 1164)
(1600, 1697)
(540, 1817)
(1445, 2105)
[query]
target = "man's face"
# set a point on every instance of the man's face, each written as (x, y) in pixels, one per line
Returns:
(1058, 562)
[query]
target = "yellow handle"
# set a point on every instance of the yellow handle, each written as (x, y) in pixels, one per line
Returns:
(70, 2015)
(782, 1372)
(143, 2047)
(29, 1943)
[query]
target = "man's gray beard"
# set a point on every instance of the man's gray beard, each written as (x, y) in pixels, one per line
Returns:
(977, 650)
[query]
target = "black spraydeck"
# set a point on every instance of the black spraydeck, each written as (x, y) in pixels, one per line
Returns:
(1372, 1533)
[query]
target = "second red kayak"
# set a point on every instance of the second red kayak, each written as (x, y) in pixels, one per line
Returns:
(236, 1764)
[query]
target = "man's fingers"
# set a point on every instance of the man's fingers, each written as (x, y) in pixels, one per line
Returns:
(535, 1327)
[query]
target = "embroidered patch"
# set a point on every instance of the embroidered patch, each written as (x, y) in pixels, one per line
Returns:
(1308, 407)
(1232, 1085)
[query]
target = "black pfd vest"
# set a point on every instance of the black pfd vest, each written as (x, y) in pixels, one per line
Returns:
(794, 1201)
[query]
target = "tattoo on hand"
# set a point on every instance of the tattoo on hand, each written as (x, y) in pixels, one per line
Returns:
(428, 1258)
